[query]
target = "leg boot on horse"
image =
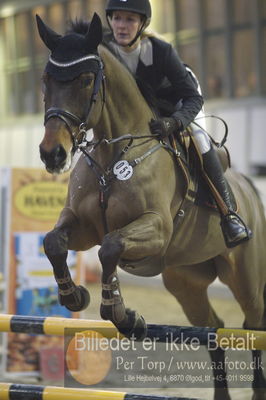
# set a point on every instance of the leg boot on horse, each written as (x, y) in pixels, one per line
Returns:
(74, 298)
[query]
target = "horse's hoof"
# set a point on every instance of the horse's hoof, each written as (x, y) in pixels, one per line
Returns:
(222, 394)
(259, 394)
(79, 301)
(135, 328)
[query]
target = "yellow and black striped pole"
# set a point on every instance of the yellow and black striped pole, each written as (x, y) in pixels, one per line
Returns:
(52, 325)
(240, 339)
(10, 391)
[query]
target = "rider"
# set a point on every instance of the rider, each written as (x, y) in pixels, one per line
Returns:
(158, 69)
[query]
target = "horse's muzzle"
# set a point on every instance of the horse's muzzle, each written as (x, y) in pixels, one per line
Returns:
(55, 159)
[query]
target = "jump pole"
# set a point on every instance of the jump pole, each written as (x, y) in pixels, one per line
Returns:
(10, 391)
(223, 337)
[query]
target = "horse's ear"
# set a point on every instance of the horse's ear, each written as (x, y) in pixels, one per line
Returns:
(48, 36)
(94, 35)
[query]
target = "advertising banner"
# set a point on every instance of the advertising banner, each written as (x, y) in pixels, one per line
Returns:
(31, 202)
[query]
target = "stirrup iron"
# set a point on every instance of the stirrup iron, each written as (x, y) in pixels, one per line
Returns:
(234, 229)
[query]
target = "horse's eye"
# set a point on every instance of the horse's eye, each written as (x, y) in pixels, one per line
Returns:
(86, 81)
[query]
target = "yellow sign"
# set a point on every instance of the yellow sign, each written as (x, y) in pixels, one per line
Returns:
(41, 201)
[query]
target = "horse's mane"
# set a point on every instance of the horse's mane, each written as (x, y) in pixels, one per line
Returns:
(81, 26)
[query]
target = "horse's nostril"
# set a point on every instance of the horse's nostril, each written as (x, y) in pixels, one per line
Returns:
(59, 154)
(54, 158)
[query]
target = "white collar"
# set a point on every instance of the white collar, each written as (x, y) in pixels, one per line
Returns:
(146, 54)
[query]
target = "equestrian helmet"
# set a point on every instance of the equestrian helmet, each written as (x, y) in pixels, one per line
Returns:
(141, 7)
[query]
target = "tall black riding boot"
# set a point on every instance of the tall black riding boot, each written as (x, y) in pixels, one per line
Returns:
(234, 229)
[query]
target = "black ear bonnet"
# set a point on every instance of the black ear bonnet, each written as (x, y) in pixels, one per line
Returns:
(74, 53)
(70, 59)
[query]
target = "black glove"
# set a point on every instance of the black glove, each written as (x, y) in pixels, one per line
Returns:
(164, 126)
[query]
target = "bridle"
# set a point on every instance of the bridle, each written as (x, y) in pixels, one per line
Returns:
(68, 117)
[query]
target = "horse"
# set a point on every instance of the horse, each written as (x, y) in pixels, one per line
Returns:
(127, 194)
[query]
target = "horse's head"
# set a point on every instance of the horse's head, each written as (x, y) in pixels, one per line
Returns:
(72, 79)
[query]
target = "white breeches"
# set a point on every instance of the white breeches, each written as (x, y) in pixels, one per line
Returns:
(202, 138)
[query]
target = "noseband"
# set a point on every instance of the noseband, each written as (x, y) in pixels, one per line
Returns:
(68, 117)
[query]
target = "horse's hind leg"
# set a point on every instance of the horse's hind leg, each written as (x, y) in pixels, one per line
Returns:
(249, 290)
(259, 382)
(74, 298)
(189, 285)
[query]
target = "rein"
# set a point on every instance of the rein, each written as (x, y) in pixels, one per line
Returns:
(71, 119)
(224, 139)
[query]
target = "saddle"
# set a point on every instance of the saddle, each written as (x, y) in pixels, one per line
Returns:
(189, 159)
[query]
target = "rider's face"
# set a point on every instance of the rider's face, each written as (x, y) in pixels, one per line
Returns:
(125, 26)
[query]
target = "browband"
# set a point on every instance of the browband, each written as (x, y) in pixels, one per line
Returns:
(74, 62)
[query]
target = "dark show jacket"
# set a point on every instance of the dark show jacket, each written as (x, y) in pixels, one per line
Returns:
(165, 78)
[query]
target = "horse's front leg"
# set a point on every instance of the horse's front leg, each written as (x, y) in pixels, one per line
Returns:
(142, 238)
(74, 298)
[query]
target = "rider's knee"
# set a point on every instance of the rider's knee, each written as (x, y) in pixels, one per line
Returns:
(202, 139)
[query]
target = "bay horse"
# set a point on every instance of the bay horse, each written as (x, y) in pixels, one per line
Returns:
(127, 195)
